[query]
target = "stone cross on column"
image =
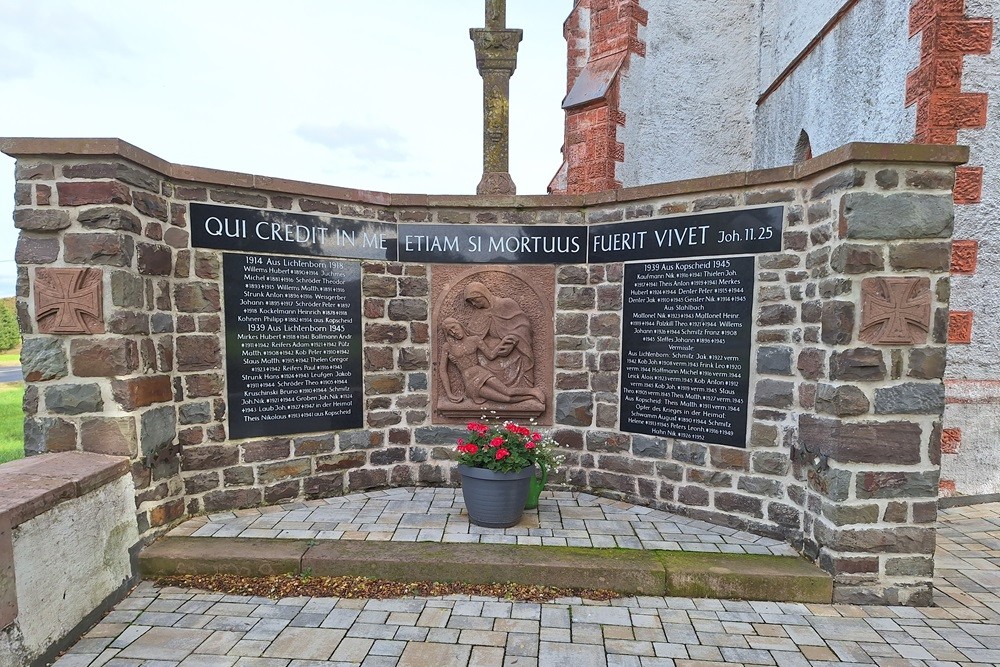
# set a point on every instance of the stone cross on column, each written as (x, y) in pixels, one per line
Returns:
(496, 58)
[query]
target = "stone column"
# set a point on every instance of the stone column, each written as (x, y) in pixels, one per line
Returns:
(869, 452)
(496, 58)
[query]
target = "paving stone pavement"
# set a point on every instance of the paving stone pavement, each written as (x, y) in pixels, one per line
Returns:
(438, 515)
(166, 627)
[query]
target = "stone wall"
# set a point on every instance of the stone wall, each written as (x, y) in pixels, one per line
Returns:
(850, 321)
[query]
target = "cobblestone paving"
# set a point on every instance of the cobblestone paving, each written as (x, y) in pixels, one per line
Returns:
(163, 627)
(438, 515)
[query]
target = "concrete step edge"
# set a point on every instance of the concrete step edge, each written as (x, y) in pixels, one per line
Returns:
(626, 571)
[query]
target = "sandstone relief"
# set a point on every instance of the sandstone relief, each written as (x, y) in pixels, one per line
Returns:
(895, 311)
(493, 343)
(69, 301)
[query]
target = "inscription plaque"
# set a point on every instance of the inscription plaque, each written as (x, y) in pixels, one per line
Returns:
(686, 340)
(293, 345)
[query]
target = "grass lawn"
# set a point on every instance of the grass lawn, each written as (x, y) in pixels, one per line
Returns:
(11, 357)
(11, 421)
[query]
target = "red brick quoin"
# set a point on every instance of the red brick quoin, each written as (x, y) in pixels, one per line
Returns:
(598, 50)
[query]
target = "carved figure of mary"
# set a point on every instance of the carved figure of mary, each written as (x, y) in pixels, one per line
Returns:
(494, 319)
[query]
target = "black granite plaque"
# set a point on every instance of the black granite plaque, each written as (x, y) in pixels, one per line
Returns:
(293, 344)
(493, 244)
(742, 232)
(253, 230)
(686, 342)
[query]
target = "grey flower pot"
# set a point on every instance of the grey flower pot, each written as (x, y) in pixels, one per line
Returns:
(495, 499)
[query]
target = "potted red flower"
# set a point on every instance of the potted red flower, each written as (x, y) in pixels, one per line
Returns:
(497, 464)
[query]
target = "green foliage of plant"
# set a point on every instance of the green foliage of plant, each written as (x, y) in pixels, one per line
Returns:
(10, 335)
(11, 423)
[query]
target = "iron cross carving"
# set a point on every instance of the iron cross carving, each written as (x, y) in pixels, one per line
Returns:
(895, 311)
(69, 301)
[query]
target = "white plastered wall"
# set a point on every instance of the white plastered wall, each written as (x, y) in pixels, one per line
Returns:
(851, 87)
(67, 561)
(688, 102)
(974, 399)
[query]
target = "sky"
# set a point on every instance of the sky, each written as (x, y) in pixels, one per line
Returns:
(378, 95)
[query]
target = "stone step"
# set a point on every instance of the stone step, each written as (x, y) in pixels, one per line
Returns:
(627, 571)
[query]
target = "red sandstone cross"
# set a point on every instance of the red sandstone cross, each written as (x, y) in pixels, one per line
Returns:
(895, 311)
(68, 301)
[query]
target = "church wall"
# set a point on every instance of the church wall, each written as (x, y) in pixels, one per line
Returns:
(972, 414)
(687, 104)
(787, 27)
(850, 87)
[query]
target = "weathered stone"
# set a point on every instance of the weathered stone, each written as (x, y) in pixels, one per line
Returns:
(43, 359)
(577, 298)
(643, 445)
(897, 539)
(689, 452)
(761, 486)
(48, 434)
(384, 383)
(157, 429)
(98, 248)
(384, 333)
(195, 413)
(106, 357)
(842, 400)
(775, 314)
(150, 205)
(887, 179)
(114, 436)
(866, 215)
(926, 363)
(927, 179)
(920, 256)
(784, 515)
(74, 399)
(213, 456)
(154, 259)
(274, 472)
(110, 217)
(712, 202)
(30, 171)
(336, 462)
(266, 450)
(811, 363)
(574, 408)
(692, 495)
(413, 359)
(844, 180)
(837, 322)
(910, 398)
(770, 463)
(364, 478)
(128, 322)
(858, 364)
(378, 286)
(897, 484)
(608, 441)
(774, 360)
(359, 439)
(126, 290)
(735, 502)
(861, 442)
(92, 192)
(856, 258)
(842, 514)
(774, 393)
(161, 323)
(911, 566)
(218, 501)
(729, 458)
(36, 250)
(41, 220)
(176, 237)
(198, 353)
(405, 309)
(197, 297)
(832, 483)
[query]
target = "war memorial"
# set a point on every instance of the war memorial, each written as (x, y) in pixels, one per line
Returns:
(761, 350)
